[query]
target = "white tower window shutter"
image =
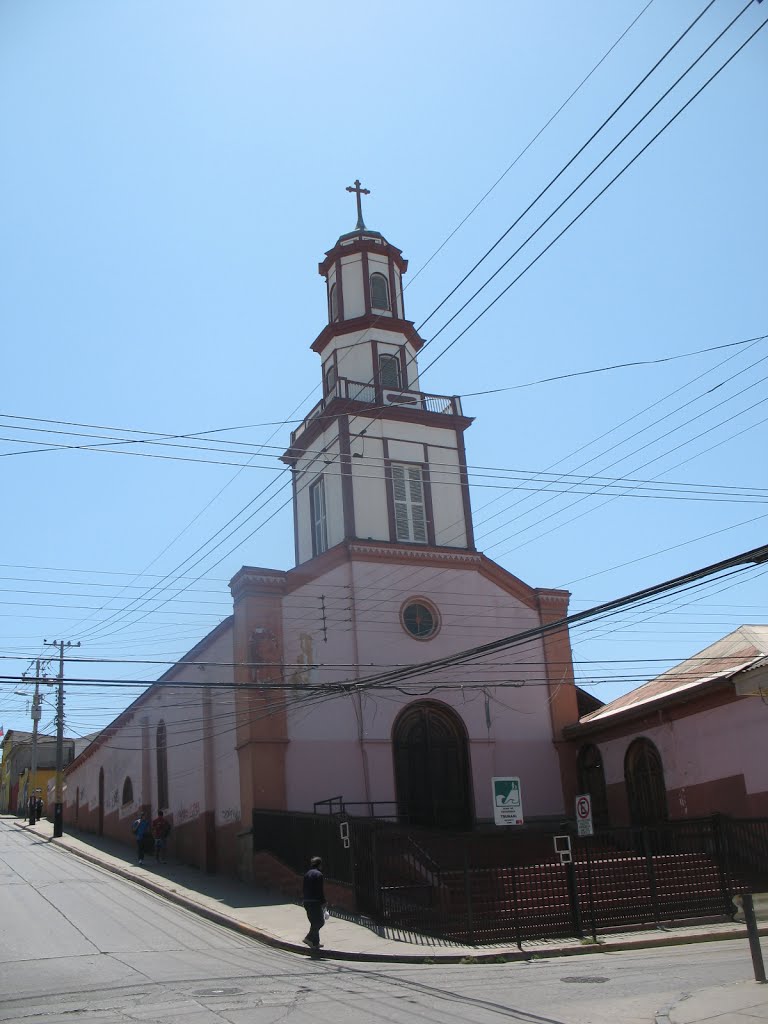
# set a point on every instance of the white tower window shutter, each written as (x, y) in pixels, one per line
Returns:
(317, 515)
(410, 510)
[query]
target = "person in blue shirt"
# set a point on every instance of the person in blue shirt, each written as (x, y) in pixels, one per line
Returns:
(140, 829)
(314, 902)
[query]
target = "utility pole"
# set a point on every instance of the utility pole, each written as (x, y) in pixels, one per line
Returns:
(58, 806)
(33, 767)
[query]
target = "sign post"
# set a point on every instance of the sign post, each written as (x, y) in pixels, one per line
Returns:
(507, 801)
(584, 815)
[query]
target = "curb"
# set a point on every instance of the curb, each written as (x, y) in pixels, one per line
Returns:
(510, 956)
(663, 1015)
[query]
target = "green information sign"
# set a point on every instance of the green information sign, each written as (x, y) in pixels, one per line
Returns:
(507, 801)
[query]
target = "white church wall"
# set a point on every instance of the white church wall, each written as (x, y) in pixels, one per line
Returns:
(369, 490)
(181, 708)
(308, 469)
(353, 360)
(447, 504)
(352, 282)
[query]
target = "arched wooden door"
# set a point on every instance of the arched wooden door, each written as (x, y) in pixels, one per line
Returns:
(101, 801)
(432, 767)
(644, 778)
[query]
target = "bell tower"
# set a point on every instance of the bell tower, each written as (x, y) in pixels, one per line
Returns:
(376, 458)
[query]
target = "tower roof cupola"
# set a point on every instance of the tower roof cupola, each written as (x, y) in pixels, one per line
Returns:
(363, 274)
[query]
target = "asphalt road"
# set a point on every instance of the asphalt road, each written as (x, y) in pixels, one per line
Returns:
(79, 944)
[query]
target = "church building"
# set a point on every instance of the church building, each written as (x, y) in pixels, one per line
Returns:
(289, 702)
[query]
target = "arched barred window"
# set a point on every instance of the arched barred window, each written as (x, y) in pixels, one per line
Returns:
(591, 776)
(379, 292)
(644, 778)
(127, 791)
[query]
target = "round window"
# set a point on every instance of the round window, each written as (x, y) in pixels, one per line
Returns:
(420, 619)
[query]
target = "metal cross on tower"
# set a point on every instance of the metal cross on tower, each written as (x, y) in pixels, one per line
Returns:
(359, 191)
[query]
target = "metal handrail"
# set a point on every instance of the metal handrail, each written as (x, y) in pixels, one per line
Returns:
(369, 393)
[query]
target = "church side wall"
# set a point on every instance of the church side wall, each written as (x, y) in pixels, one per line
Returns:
(204, 819)
(713, 761)
(507, 720)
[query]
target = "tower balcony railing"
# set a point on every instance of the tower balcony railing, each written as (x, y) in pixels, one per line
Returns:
(378, 396)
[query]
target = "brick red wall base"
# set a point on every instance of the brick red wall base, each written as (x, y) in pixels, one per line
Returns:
(720, 796)
(195, 842)
(271, 873)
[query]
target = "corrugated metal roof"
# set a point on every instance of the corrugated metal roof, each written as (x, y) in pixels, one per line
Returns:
(740, 650)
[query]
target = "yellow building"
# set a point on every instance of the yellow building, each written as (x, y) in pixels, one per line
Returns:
(16, 783)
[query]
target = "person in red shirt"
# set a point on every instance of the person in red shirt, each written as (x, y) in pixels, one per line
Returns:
(160, 829)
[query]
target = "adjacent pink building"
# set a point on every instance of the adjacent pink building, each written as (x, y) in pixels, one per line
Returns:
(687, 744)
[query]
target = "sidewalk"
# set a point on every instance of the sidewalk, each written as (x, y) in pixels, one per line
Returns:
(744, 1003)
(270, 918)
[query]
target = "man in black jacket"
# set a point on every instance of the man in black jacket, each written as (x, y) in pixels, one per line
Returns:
(314, 902)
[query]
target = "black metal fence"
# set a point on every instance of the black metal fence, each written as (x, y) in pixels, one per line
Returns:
(485, 887)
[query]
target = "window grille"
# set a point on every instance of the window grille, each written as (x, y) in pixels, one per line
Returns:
(389, 371)
(410, 509)
(379, 291)
(127, 791)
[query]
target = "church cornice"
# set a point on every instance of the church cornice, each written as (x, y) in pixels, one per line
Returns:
(359, 243)
(250, 581)
(368, 322)
(421, 554)
(339, 407)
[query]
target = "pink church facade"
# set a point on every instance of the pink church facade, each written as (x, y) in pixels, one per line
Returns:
(293, 701)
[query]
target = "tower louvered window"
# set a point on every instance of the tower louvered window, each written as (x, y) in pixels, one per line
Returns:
(410, 509)
(317, 514)
(379, 292)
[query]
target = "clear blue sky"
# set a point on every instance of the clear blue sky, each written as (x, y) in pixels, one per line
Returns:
(171, 175)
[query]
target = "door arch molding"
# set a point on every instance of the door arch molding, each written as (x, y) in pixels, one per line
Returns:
(432, 770)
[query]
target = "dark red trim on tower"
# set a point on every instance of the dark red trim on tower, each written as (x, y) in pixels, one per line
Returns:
(375, 369)
(388, 487)
(363, 323)
(366, 284)
(403, 368)
(340, 290)
(465, 499)
(347, 491)
(392, 293)
(362, 244)
(295, 514)
(341, 406)
(428, 506)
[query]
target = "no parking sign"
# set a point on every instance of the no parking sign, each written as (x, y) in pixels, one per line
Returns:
(584, 815)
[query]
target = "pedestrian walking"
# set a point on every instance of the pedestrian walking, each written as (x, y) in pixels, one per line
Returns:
(314, 902)
(160, 829)
(140, 829)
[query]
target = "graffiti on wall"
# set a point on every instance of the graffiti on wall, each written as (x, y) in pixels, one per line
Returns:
(229, 815)
(187, 813)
